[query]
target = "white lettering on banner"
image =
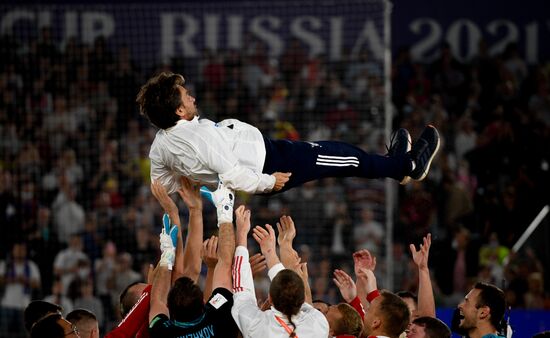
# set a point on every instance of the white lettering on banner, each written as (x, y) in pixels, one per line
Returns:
(169, 40)
(274, 41)
(96, 24)
(211, 25)
(372, 38)
(297, 29)
(511, 34)
(235, 29)
(473, 35)
(531, 42)
(432, 39)
(336, 29)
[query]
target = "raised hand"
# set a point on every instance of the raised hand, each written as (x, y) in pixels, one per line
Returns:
(363, 259)
(265, 238)
(287, 230)
(346, 285)
(163, 198)
(190, 193)
(280, 180)
(257, 264)
(420, 257)
(209, 252)
(223, 199)
(366, 279)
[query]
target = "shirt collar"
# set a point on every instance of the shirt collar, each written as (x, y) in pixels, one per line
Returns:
(184, 121)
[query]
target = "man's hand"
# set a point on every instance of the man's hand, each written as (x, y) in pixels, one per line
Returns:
(265, 238)
(420, 257)
(362, 259)
(223, 199)
(257, 264)
(209, 252)
(168, 242)
(280, 180)
(367, 280)
(163, 198)
(243, 225)
(287, 230)
(346, 285)
(190, 193)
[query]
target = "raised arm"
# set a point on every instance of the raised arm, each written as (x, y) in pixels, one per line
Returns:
(426, 302)
(190, 193)
(266, 240)
(161, 282)
(210, 258)
(287, 233)
(363, 259)
(171, 210)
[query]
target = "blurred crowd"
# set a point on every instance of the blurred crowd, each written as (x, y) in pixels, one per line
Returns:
(79, 222)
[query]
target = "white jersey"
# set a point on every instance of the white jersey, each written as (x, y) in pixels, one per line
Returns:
(231, 151)
(254, 323)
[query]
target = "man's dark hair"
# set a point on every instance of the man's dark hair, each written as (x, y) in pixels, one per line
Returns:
(407, 294)
(78, 315)
(350, 323)
(159, 98)
(544, 334)
(492, 297)
(395, 312)
(128, 299)
(185, 300)
(37, 309)
(433, 327)
(48, 327)
(287, 293)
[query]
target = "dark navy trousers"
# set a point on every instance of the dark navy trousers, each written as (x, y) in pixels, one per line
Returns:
(308, 161)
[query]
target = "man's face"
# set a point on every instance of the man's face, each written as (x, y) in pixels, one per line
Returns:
(469, 310)
(69, 329)
(333, 316)
(371, 315)
(321, 307)
(188, 104)
(412, 307)
(416, 331)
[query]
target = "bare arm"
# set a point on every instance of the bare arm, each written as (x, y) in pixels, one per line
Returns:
(363, 259)
(191, 258)
(266, 240)
(226, 250)
(159, 293)
(171, 209)
(287, 233)
(426, 302)
(210, 258)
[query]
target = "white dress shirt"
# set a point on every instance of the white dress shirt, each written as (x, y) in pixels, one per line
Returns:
(231, 151)
(254, 323)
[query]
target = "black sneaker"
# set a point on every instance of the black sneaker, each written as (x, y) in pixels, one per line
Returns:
(423, 152)
(400, 144)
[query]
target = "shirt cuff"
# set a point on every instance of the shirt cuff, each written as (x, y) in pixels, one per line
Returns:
(372, 295)
(241, 251)
(275, 269)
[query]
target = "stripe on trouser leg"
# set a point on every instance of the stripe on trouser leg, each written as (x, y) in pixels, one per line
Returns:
(337, 161)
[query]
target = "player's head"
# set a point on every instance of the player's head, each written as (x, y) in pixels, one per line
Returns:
(164, 100)
(38, 309)
(86, 323)
(321, 305)
(344, 320)
(428, 327)
(287, 292)
(387, 315)
(130, 296)
(54, 325)
(483, 306)
(411, 300)
(185, 300)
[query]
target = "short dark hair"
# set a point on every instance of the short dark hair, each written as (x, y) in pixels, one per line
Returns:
(544, 334)
(48, 327)
(395, 312)
(36, 310)
(493, 297)
(350, 323)
(407, 294)
(78, 315)
(185, 300)
(128, 299)
(159, 98)
(433, 327)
